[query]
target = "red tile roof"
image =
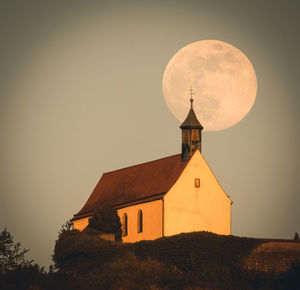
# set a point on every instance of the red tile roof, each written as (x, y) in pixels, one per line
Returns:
(141, 182)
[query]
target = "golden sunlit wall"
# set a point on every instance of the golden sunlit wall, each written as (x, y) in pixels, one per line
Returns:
(150, 229)
(81, 224)
(152, 221)
(197, 202)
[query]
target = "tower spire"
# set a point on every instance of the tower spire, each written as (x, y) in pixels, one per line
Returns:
(191, 99)
(191, 132)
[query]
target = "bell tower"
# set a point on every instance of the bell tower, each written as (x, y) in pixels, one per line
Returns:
(191, 133)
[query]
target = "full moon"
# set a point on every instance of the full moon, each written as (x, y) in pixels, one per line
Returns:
(223, 80)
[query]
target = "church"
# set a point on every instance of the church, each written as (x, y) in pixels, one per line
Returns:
(164, 197)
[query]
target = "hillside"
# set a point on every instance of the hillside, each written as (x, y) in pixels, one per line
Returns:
(191, 250)
(198, 259)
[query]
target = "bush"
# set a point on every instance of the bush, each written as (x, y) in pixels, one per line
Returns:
(106, 220)
(291, 279)
(84, 250)
(128, 272)
(134, 273)
(24, 277)
(192, 251)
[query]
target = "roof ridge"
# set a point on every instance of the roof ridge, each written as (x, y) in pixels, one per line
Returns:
(152, 161)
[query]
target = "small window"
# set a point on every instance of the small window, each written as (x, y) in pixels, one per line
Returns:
(197, 182)
(124, 225)
(185, 136)
(140, 221)
(195, 135)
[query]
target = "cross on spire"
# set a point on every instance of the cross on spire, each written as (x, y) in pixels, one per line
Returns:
(191, 94)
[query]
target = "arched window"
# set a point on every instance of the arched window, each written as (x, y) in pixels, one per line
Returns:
(124, 225)
(140, 221)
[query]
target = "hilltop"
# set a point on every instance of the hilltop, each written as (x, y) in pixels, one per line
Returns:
(198, 259)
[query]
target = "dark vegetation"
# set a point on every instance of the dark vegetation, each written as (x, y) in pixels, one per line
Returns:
(83, 260)
(16, 272)
(106, 221)
(12, 256)
(185, 261)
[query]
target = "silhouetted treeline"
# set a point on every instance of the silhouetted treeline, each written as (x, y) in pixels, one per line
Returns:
(82, 260)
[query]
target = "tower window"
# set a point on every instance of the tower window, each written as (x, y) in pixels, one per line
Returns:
(140, 221)
(185, 136)
(197, 182)
(124, 225)
(195, 135)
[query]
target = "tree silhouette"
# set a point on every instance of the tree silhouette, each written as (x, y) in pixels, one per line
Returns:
(67, 226)
(12, 256)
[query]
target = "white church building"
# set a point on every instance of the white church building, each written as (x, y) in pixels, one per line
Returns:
(164, 197)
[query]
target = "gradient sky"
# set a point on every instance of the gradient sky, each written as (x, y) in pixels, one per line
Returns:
(80, 94)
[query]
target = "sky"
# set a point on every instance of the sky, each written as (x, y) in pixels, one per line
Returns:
(80, 95)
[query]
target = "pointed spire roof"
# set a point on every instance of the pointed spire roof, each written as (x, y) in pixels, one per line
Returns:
(191, 120)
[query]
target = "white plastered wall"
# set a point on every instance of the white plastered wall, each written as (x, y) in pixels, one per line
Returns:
(152, 221)
(81, 224)
(188, 209)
